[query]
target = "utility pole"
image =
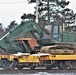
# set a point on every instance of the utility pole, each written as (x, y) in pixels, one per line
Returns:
(37, 11)
(48, 11)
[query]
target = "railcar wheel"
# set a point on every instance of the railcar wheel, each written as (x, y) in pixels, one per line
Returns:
(20, 67)
(73, 64)
(48, 67)
(13, 64)
(7, 65)
(65, 65)
(32, 67)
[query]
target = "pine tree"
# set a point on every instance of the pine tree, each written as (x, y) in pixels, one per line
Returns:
(54, 10)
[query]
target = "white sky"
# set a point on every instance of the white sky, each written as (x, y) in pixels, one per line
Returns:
(10, 10)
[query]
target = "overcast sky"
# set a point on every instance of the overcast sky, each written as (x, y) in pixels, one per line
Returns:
(13, 9)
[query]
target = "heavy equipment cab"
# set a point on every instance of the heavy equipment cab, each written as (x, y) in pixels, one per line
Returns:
(55, 29)
(58, 34)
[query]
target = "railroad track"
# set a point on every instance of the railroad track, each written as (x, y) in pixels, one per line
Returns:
(28, 71)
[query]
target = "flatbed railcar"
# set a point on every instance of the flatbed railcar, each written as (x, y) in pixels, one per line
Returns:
(56, 58)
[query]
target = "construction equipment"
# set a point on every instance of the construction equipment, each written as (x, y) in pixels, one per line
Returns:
(7, 42)
(56, 36)
(56, 47)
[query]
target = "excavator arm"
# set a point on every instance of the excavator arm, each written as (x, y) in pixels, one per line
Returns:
(7, 42)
